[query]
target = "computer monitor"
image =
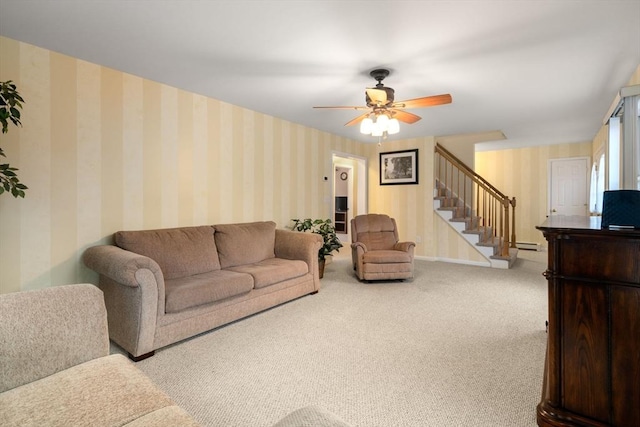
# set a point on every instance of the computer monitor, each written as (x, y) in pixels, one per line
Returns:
(621, 208)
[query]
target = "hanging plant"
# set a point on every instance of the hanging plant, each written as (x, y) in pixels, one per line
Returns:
(10, 106)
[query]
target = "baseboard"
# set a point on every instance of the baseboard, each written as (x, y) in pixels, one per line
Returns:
(455, 261)
(529, 246)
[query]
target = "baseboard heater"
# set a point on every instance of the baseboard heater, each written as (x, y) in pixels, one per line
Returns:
(529, 246)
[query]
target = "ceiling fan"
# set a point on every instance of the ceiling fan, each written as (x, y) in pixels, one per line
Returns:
(381, 106)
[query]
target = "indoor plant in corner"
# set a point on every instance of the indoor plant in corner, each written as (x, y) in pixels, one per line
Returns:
(10, 103)
(325, 228)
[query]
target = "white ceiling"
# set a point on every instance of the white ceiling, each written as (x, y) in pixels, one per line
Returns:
(539, 71)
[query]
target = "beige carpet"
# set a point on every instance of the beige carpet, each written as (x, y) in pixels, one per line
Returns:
(457, 346)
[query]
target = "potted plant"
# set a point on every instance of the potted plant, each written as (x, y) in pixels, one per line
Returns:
(10, 103)
(325, 228)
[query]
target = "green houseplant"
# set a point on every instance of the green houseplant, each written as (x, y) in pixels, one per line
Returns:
(10, 105)
(325, 228)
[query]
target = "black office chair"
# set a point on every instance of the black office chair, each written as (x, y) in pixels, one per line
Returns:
(621, 208)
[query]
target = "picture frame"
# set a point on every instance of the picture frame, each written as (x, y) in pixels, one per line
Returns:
(399, 167)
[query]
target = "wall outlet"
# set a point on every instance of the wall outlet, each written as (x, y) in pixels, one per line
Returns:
(418, 239)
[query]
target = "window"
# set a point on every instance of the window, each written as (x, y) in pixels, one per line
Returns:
(597, 186)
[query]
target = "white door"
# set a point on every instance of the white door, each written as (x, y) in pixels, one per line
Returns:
(568, 186)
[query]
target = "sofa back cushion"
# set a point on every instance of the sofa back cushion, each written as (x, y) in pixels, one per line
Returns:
(247, 243)
(179, 252)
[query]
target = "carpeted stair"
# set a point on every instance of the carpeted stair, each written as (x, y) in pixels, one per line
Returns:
(461, 217)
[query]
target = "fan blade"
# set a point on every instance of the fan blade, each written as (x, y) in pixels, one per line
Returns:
(377, 96)
(405, 116)
(357, 120)
(347, 108)
(427, 101)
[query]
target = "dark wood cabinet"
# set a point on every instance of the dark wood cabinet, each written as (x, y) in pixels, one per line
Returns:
(592, 368)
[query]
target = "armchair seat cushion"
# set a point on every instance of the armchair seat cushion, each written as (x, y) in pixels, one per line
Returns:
(273, 270)
(402, 270)
(205, 288)
(386, 257)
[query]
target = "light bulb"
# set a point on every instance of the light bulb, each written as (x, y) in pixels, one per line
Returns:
(365, 126)
(382, 121)
(376, 130)
(393, 126)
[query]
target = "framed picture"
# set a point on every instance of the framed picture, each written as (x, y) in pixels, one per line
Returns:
(399, 167)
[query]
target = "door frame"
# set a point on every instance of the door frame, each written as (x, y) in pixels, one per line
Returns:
(342, 159)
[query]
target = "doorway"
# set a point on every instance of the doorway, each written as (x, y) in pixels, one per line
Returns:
(349, 191)
(568, 186)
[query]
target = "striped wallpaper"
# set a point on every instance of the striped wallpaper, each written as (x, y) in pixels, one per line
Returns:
(103, 151)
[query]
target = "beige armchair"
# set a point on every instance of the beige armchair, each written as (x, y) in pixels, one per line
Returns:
(375, 250)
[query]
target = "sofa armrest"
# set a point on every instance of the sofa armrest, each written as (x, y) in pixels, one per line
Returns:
(49, 330)
(134, 293)
(300, 246)
(120, 265)
(297, 245)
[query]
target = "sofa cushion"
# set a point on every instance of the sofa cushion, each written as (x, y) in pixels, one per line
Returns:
(106, 391)
(179, 252)
(246, 243)
(273, 270)
(205, 288)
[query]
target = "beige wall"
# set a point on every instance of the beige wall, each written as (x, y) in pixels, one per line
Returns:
(522, 173)
(103, 150)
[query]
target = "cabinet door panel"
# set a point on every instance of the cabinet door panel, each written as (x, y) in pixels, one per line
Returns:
(585, 356)
(625, 367)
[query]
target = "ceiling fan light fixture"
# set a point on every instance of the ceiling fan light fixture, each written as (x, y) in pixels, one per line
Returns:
(366, 125)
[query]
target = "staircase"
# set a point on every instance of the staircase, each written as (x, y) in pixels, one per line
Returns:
(473, 207)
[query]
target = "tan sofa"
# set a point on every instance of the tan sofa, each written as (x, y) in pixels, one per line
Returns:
(55, 367)
(56, 371)
(162, 286)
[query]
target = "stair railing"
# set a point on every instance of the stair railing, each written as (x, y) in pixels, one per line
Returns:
(488, 210)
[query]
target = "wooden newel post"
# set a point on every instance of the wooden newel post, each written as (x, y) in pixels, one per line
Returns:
(505, 237)
(513, 223)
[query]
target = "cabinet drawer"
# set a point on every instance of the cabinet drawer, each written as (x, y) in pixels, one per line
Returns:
(593, 258)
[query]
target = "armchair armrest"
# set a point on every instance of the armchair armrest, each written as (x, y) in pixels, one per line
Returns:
(49, 330)
(404, 246)
(359, 245)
